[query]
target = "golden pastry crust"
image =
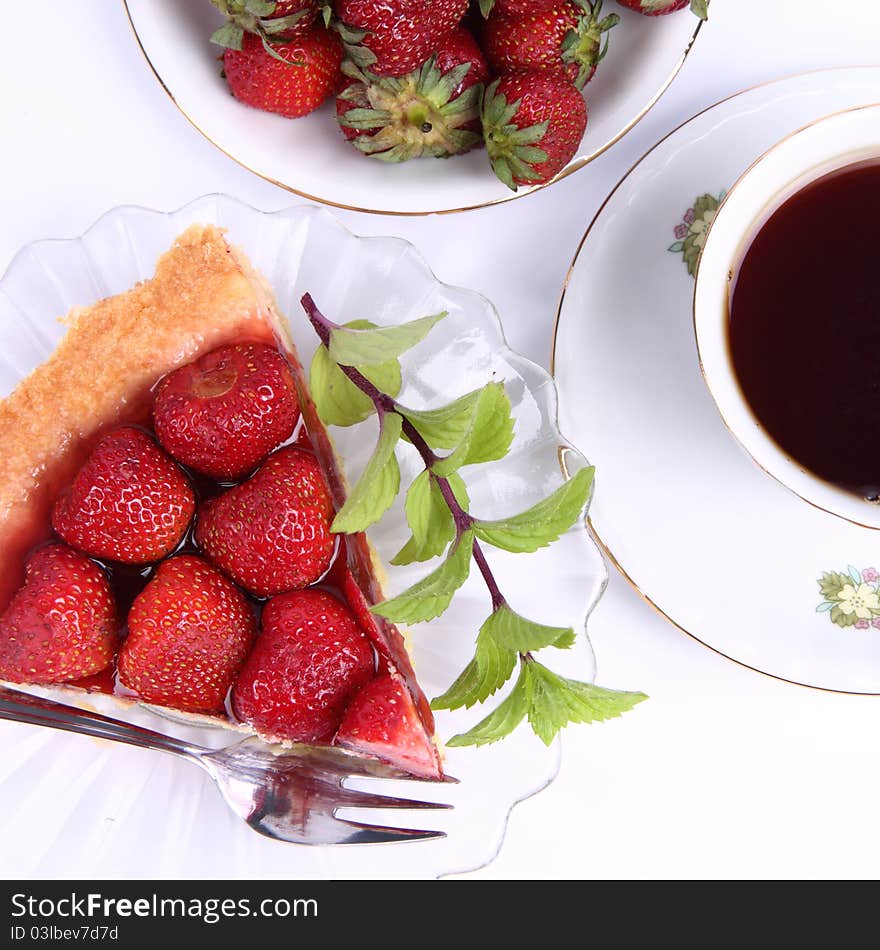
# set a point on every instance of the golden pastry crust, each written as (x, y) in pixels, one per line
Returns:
(201, 296)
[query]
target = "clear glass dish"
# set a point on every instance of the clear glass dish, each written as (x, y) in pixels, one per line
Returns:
(127, 813)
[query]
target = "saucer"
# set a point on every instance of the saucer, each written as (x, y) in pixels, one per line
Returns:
(726, 553)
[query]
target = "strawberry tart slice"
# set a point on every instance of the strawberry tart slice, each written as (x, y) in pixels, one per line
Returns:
(166, 496)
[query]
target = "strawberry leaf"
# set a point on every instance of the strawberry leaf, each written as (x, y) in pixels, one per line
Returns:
(488, 434)
(542, 523)
(429, 517)
(700, 8)
(553, 701)
(486, 673)
(229, 36)
(378, 485)
(429, 597)
(369, 347)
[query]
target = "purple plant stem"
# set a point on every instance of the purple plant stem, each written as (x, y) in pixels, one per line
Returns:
(385, 403)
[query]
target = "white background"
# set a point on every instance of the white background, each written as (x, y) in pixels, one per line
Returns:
(724, 773)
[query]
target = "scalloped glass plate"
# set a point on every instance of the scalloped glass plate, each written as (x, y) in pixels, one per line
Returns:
(310, 157)
(76, 807)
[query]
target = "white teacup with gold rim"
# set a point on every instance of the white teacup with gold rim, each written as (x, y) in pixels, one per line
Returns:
(787, 308)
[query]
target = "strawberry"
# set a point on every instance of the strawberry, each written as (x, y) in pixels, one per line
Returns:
(271, 533)
(661, 7)
(431, 111)
(310, 659)
(516, 8)
(292, 78)
(523, 7)
(224, 413)
(382, 721)
(189, 631)
(533, 122)
(61, 623)
(567, 39)
(282, 20)
(394, 37)
(129, 502)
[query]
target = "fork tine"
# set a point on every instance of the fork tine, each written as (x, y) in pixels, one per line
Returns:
(381, 834)
(353, 798)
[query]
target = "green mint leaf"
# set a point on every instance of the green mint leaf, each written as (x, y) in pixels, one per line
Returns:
(487, 672)
(369, 347)
(554, 701)
(444, 428)
(542, 523)
(429, 597)
(502, 721)
(700, 8)
(512, 631)
(338, 401)
(429, 518)
(378, 485)
(488, 435)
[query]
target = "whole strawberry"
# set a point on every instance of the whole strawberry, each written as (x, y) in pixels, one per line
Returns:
(310, 659)
(394, 37)
(129, 502)
(382, 721)
(533, 123)
(224, 413)
(567, 38)
(189, 631)
(281, 20)
(515, 8)
(271, 533)
(291, 79)
(661, 7)
(432, 111)
(61, 624)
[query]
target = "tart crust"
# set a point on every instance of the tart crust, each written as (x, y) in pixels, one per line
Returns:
(204, 293)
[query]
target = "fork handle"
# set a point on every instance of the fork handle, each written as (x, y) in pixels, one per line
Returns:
(37, 711)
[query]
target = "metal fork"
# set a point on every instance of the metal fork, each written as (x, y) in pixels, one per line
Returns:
(290, 795)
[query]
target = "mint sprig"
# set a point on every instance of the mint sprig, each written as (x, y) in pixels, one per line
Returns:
(355, 373)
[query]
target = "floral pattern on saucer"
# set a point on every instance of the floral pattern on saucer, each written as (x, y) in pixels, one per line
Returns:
(851, 599)
(690, 232)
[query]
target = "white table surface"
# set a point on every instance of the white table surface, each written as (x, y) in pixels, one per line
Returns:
(725, 773)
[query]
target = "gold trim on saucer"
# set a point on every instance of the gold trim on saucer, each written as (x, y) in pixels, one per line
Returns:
(572, 167)
(590, 526)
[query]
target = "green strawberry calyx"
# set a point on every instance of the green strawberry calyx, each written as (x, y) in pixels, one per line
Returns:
(584, 45)
(513, 152)
(255, 16)
(409, 116)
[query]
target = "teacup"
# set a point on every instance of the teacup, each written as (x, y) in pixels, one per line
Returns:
(819, 149)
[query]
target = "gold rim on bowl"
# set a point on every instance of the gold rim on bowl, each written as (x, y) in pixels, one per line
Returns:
(572, 167)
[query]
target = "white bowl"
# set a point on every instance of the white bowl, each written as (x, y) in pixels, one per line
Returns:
(310, 157)
(809, 153)
(145, 814)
